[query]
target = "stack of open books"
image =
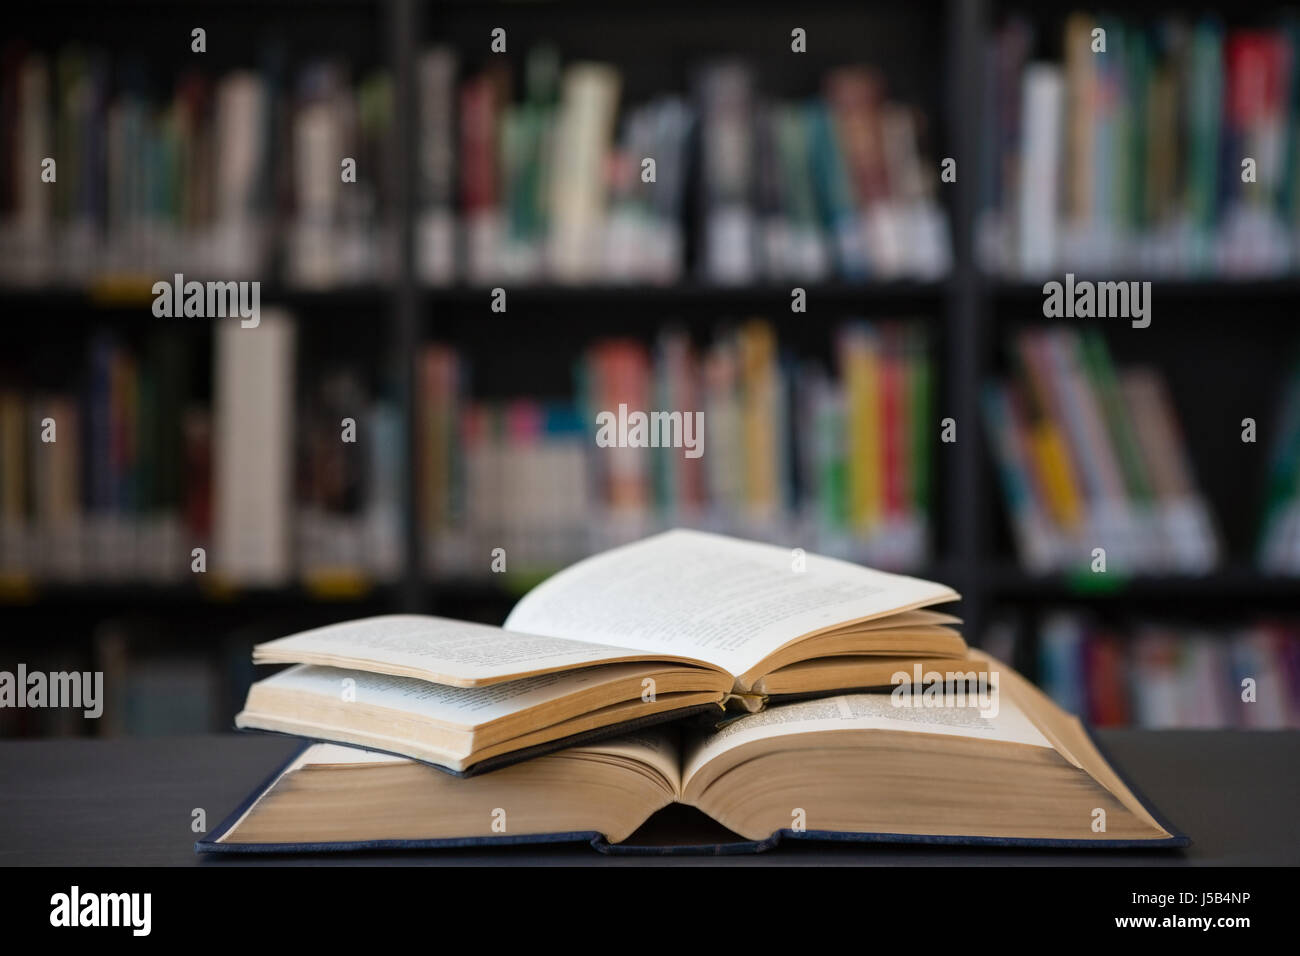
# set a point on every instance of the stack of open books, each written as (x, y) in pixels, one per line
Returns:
(784, 695)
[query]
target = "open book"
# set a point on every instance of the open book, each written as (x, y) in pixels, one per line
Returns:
(636, 635)
(1008, 767)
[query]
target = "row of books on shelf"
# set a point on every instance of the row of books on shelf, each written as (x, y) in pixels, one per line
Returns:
(1159, 145)
(559, 185)
(120, 476)
(788, 452)
(217, 176)
(245, 172)
(1160, 675)
(1093, 457)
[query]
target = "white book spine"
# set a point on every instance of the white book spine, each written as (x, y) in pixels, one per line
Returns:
(253, 450)
(1039, 173)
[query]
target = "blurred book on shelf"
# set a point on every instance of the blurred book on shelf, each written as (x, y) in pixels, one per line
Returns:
(1093, 457)
(532, 477)
(118, 476)
(1167, 675)
(349, 480)
(1279, 548)
(95, 478)
(1168, 146)
(252, 450)
(568, 184)
(222, 175)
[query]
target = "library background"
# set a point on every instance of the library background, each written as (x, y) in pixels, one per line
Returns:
(838, 254)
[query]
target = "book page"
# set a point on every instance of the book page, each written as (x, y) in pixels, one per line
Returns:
(656, 747)
(864, 712)
(435, 648)
(725, 601)
(459, 707)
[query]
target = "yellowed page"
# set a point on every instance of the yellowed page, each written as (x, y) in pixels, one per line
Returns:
(653, 747)
(855, 712)
(718, 599)
(439, 649)
(456, 707)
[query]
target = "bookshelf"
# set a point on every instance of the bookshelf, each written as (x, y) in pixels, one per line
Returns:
(968, 312)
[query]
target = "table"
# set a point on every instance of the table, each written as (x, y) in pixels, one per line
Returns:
(88, 802)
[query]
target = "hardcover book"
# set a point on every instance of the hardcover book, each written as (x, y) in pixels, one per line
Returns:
(678, 622)
(1003, 766)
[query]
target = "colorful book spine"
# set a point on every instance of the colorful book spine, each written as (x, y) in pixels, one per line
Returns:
(738, 436)
(1160, 675)
(1101, 460)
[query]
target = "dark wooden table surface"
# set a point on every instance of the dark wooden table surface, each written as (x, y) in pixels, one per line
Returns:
(130, 802)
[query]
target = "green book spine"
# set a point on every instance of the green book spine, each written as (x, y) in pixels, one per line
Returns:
(1097, 366)
(1204, 115)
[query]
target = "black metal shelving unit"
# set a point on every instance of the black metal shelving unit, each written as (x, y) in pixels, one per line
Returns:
(968, 311)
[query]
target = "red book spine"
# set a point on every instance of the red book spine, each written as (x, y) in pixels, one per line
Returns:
(478, 175)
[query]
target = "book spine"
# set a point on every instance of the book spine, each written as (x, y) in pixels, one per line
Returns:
(254, 375)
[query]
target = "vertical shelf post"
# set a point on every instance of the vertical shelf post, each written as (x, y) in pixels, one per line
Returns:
(403, 23)
(965, 327)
